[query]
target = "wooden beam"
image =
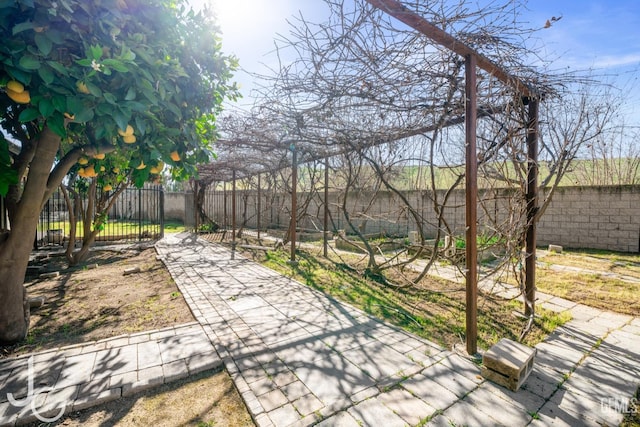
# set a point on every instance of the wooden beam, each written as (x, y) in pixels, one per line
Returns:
(418, 23)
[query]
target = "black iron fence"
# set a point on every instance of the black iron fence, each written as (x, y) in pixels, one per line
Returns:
(137, 214)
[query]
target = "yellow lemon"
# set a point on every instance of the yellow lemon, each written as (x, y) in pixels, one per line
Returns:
(175, 156)
(83, 161)
(99, 156)
(102, 169)
(129, 139)
(157, 168)
(116, 170)
(107, 188)
(90, 172)
(126, 132)
(82, 87)
(19, 97)
(82, 173)
(15, 86)
(141, 165)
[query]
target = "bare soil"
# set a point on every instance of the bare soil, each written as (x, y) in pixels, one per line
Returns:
(96, 301)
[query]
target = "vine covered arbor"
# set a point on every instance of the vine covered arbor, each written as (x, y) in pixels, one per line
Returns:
(404, 131)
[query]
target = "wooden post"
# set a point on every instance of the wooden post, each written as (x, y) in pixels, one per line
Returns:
(471, 177)
(325, 218)
(225, 223)
(196, 214)
(294, 202)
(233, 216)
(259, 207)
(532, 209)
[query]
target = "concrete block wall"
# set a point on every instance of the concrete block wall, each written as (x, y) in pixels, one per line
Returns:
(593, 217)
(578, 217)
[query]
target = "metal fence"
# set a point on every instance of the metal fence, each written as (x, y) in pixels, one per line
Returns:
(137, 215)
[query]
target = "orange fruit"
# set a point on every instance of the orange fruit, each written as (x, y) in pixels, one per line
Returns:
(175, 156)
(107, 188)
(82, 87)
(15, 86)
(99, 156)
(90, 172)
(19, 97)
(83, 161)
(157, 168)
(129, 139)
(141, 165)
(126, 132)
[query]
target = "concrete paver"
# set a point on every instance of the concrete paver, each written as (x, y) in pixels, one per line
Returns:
(299, 358)
(80, 376)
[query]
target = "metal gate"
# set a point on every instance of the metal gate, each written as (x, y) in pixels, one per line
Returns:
(137, 215)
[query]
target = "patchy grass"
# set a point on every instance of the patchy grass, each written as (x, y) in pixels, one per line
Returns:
(594, 290)
(205, 400)
(618, 263)
(436, 311)
(173, 227)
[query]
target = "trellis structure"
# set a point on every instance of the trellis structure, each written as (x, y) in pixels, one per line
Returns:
(260, 138)
(474, 60)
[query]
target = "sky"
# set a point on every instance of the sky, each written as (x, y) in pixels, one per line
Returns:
(603, 35)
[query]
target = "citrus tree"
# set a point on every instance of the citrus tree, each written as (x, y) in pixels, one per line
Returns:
(83, 79)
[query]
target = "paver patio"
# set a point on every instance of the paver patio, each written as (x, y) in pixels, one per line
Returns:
(299, 357)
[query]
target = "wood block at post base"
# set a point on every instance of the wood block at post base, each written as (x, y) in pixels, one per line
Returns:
(508, 363)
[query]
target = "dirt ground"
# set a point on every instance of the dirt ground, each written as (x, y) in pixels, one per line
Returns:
(96, 301)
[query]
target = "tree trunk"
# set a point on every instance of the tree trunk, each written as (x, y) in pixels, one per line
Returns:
(15, 250)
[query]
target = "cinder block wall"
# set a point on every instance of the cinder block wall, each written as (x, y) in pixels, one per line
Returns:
(174, 206)
(593, 217)
(578, 217)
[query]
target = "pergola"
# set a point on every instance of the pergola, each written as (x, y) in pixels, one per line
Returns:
(228, 170)
(475, 60)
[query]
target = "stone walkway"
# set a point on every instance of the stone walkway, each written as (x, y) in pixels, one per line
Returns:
(301, 358)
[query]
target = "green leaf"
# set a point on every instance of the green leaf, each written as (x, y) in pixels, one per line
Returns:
(116, 65)
(84, 115)
(43, 43)
(121, 120)
(74, 105)
(84, 62)
(96, 52)
(46, 75)
(110, 98)
(23, 26)
(60, 103)
(141, 125)
(95, 90)
(29, 62)
(131, 94)
(58, 67)
(46, 107)
(28, 115)
(55, 36)
(56, 124)
(137, 106)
